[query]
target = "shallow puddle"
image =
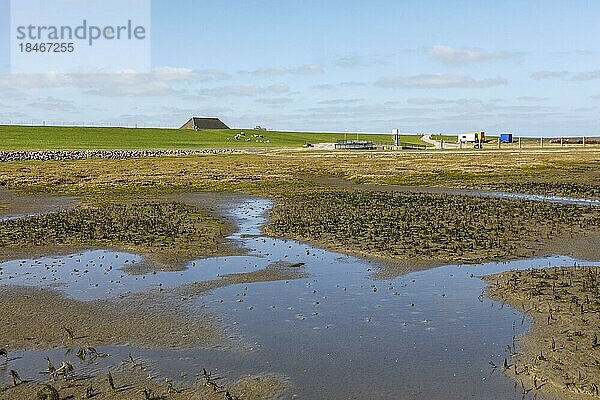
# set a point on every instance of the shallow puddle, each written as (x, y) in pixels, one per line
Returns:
(101, 274)
(337, 334)
(539, 197)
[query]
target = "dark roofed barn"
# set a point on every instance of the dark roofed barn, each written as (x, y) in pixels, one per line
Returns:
(199, 124)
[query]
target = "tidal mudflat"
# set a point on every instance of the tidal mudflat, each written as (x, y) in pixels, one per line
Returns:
(14, 205)
(309, 322)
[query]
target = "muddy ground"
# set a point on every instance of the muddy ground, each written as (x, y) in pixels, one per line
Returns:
(160, 319)
(583, 247)
(133, 382)
(561, 354)
(36, 318)
(39, 319)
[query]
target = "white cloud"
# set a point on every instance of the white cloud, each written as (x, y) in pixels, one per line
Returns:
(201, 110)
(53, 104)
(309, 69)
(277, 71)
(325, 86)
(334, 86)
(540, 75)
(351, 61)
(437, 81)
(426, 101)
(473, 104)
(248, 90)
(532, 99)
(352, 84)
(586, 109)
(10, 93)
(133, 89)
(11, 116)
(276, 101)
(187, 74)
(587, 76)
(125, 83)
(360, 111)
(341, 101)
(450, 55)
(454, 115)
(580, 52)
(580, 76)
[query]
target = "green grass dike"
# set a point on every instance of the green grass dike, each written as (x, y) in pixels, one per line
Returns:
(81, 138)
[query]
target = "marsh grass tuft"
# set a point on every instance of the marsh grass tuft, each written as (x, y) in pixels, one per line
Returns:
(562, 349)
(419, 226)
(166, 232)
(153, 224)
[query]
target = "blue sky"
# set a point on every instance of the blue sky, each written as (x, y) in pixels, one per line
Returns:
(531, 67)
(4, 35)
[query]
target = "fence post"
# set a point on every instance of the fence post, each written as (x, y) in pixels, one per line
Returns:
(542, 142)
(584, 141)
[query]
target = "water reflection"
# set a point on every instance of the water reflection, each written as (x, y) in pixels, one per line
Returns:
(337, 334)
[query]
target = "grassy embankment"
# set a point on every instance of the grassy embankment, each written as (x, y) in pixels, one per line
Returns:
(53, 138)
(562, 352)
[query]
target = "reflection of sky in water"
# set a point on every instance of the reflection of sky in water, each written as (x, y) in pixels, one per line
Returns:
(540, 197)
(99, 274)
(337, 334)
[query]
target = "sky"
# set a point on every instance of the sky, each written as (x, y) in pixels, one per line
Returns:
(527, 67)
